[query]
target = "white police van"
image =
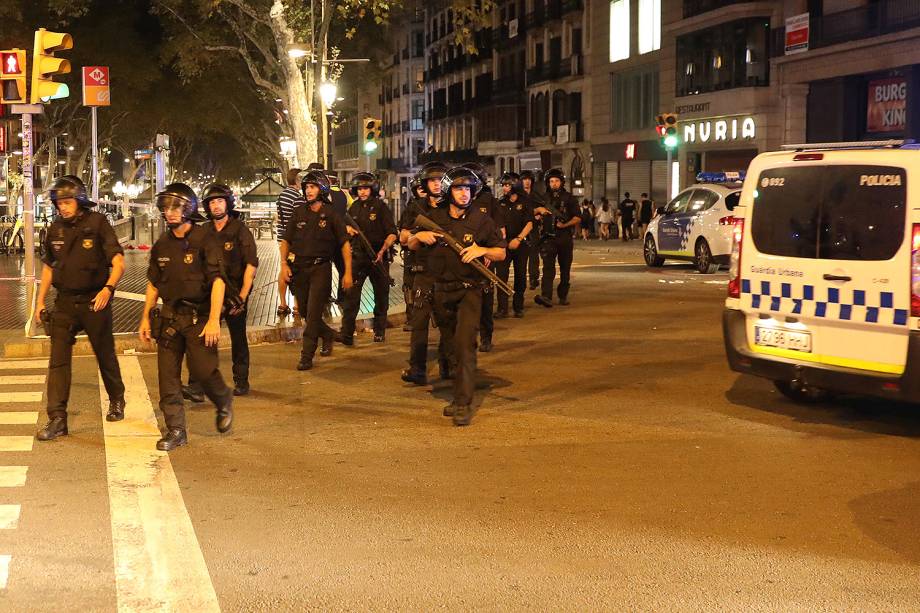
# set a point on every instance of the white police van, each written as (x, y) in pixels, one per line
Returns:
(824, 282)
(697, 224)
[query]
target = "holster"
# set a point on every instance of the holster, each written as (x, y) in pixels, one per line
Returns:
(45, 317)
(156, 324)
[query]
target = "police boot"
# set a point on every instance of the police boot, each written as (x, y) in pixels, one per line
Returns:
(192, 394)
(464, 415)
(379, 336)
(501, 314)
(240, 388)
(116, 410)
(485, 346)
(56, 427)
(326, 349)
(174, 437)
(543, 301)
(305, 363)
(449, 410)
(414, 377)
(225, 416)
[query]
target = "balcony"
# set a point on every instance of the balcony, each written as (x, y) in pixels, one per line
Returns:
(405, 89)
(501, 122)
(535, 19)
(565, 133)
(509, 90)
(501, 39)
(883, 17)
(551, 71)
(454, 157)
(693, 8)
(572, 6)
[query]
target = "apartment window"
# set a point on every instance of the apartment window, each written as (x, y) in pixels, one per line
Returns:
(619, 30)
(649, 25)
(635, 99)
(733, 54)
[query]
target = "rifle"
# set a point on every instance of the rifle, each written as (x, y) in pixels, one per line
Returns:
(370, 249)
(427, 224)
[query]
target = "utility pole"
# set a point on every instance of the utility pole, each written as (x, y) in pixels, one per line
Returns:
(28, 203)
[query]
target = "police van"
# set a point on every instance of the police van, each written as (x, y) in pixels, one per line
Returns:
(824, 280)
(696, 226)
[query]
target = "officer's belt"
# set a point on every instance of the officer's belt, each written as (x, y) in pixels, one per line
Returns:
(187, 307)
(454, 286)
(78, 293)
(309, 261)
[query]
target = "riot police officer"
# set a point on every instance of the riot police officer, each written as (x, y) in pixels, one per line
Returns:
(557, 237)
(458, 287)
(423, 284)
(186, 271)
(517, 213)
(84, 262)
(375, 221)
(487, 204)
(240, 260)
(313, 236)
(528, 182)
(416, 192)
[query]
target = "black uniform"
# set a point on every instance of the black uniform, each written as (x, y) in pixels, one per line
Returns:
(313, 239)
(422, 297)
(557, 243)
(339, 206)
(516, 215)
(376, 222)
(458, 292)
(536, 199)
(183, 270)
(407, 222)
(487, 204)
(80, 252)
(238, 251)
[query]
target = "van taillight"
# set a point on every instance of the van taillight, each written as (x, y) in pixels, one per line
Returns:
(734, 266)
(915, 272)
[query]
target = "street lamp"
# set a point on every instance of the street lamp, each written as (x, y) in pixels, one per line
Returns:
(328, 92)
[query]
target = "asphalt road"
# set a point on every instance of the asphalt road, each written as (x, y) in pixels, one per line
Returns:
(615, 464)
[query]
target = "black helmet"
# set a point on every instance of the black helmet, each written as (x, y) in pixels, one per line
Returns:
(415, 185)
(460, 176)
(431, 170)
(479, 170)
(219, 190)
(529, 174)
(184, 196)
(364, 179)
(554, 173)
(70, 186)
(318, 178)
(509, 178)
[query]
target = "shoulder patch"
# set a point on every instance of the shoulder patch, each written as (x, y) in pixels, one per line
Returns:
(87, 243)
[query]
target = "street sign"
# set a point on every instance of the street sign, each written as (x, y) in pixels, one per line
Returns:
(143, 154)
(96, 86)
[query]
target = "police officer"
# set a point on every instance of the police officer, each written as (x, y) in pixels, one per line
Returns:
(458, 287)
(240, 260)
(186, 271)
(517, 213)
(416, 192)
(487, 204)
(375, 221)
(84, 262)
(557, 237)
(338, 203)
(423, 284)
(313, 236)
(528, 182)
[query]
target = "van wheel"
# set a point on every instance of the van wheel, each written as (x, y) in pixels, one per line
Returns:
(651, 253)
(704, 262)
(803, 394)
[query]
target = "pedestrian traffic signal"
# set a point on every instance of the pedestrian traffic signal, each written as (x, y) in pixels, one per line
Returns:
(13, 76)
(667, 129)
(45, 66)
(372, 132)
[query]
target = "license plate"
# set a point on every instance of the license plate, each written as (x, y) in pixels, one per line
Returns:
(782, 338)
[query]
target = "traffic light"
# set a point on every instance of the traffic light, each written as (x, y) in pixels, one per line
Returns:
(45, 66)
(667, 129)
(13, 76)
(372, 131)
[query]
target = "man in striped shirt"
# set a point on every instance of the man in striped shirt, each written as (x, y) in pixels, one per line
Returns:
(288, 200)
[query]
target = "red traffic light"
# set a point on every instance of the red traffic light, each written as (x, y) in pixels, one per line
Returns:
(11, 64)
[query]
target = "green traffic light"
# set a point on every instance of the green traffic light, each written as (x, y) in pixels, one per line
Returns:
(670, 141)
(370, 146)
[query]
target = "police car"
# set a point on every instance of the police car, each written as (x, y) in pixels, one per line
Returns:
(824, 282)
(696, 225)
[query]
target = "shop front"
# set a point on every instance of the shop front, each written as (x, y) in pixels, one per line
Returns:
(724, 143)
(636, 167)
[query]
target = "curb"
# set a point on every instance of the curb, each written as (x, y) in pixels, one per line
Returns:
(130, 343)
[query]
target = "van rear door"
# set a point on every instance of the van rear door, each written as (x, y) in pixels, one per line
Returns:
(826, 264)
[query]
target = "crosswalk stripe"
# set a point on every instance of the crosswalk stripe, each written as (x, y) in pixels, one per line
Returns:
(20, 396)
(16, 443)
(15, 418)
(22, 379)
(23, 364)
(158, 561)
(4, 570)
(9, 516)
(13, 476)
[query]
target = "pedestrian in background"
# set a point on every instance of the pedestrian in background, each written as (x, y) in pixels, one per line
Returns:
(587, 220)
(646, 212)
(604, 219)
(627, 216)
(288, 200)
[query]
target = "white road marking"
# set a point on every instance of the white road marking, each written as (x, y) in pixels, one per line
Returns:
(16, 443)
(23, 364)
(4, 570)
(9, 516)
(22, 379)
(13, 476)
(11, 418)
(158, 562)
(20, 396)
